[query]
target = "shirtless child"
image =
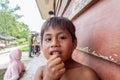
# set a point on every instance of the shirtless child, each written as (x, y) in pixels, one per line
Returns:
(58, 41)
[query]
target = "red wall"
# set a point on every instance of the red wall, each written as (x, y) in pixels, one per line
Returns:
(99, 29)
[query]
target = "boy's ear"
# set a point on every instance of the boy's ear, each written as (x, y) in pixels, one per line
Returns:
(75, 43)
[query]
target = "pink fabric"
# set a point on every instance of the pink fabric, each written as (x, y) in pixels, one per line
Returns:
(16, 67)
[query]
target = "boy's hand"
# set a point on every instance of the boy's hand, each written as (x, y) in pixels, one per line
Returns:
(55, 68)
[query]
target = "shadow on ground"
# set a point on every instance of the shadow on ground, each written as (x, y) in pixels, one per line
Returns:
(2, 72)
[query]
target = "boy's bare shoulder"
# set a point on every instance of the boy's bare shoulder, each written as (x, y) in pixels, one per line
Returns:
(39, 73)
(81, 72)
(88, 73)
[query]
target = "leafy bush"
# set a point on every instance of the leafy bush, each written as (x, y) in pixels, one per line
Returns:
(22, 41)
(25, 49)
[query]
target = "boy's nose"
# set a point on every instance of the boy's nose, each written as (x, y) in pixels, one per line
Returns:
(55, 43)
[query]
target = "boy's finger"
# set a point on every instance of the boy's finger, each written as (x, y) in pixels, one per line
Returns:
(60, 66)
(54, 61)
(52, 57)
(62, 71)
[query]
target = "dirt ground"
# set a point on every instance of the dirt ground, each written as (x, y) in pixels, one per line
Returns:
(31, 66)
(2, 71)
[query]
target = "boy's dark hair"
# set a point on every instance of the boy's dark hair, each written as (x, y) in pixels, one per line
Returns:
(61, 22)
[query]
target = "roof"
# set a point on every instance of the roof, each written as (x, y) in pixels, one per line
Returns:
(5, 37)
(44, 7)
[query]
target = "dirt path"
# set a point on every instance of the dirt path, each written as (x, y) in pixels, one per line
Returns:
(32, 67)
(31, 64)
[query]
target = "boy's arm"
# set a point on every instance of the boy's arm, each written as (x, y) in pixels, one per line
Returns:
(39, 74)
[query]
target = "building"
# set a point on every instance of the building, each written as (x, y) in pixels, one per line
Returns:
(98, 31)
(6, 41)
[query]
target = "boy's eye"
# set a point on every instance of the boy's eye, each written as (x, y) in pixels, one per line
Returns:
(62, 37)
(48, 39)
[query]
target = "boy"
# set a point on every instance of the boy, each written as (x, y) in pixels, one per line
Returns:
(58, 41)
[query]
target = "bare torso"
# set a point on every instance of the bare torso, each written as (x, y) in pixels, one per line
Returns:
(75, 71)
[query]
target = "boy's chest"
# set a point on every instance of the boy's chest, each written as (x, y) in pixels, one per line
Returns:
(73, 75)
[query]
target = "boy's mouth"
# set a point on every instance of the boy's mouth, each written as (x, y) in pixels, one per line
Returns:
(56, 53)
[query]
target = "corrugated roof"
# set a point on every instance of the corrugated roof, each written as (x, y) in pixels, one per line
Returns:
(44, 7)
(2, 36)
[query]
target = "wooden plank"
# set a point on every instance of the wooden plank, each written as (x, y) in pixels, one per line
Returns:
(78, 6)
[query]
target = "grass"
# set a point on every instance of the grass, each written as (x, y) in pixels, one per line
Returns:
(25, 49)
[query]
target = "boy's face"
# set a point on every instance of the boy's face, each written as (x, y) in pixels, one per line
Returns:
(57, 41)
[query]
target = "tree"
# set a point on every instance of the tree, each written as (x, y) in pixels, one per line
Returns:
(8, 21)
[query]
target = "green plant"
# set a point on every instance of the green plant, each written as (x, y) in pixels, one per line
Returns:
(24, 49)
(22, 41)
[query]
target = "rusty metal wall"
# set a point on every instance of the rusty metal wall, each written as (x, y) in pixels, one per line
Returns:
(98, 33)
